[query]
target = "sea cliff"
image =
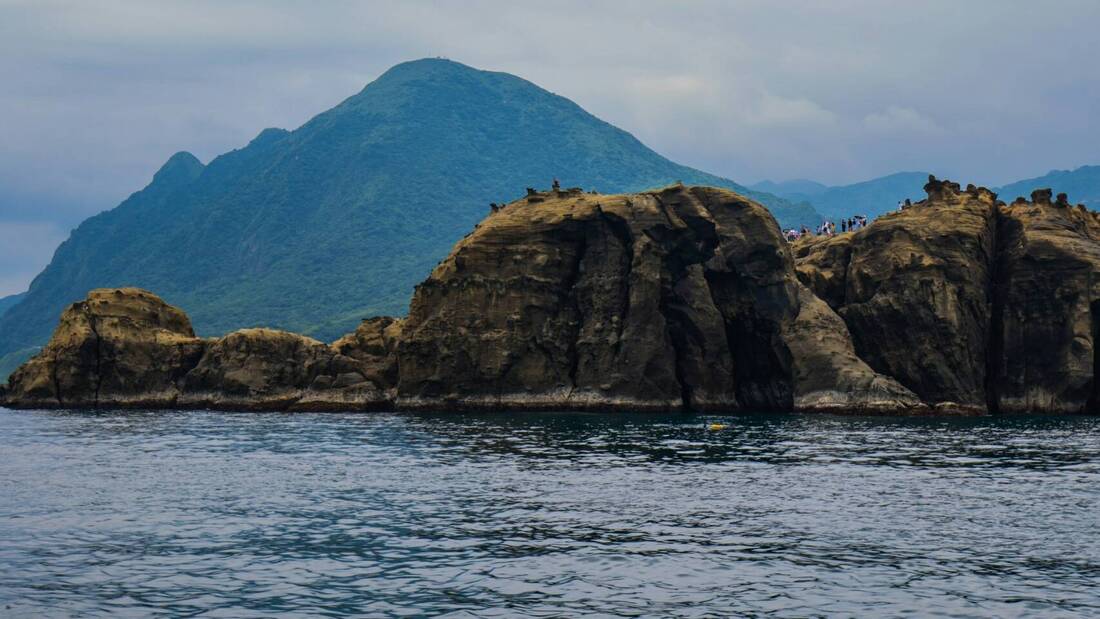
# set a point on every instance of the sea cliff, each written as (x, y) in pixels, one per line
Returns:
(684, 298)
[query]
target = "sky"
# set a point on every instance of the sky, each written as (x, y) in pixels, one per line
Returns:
(95, 96)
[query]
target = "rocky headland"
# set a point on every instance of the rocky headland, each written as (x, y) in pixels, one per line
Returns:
(684, 298)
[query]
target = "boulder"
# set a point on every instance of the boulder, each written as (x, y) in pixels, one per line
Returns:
(122, 346)
(374, 345)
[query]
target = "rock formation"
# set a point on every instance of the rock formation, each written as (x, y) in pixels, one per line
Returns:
(971, 303)
(128, 348)
(680, 298)
(914, 290)
(124, 347)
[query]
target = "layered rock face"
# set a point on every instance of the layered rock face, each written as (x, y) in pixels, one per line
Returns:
(123, 346)
(1045, 343)
(971, 303)
(128, 348)
(681, 298)
(914, 290)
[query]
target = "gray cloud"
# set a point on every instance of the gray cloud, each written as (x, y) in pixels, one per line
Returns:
(97, 95)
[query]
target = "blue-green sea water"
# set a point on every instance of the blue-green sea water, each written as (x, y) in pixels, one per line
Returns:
(205, 514)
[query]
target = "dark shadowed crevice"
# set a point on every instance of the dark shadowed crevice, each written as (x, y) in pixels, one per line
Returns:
(998, 298)
(680, 330)
(762, 378)
(571, 288)
(98, 356)
(676, 326)
(621, 230)
(847, 275)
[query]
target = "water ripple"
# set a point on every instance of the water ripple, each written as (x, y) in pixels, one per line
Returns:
(138, 514)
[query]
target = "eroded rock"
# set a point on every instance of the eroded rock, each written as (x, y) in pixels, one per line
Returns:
(1047, 314)
(684, 297)
(972, 304)
(122, 346)
(681, 298)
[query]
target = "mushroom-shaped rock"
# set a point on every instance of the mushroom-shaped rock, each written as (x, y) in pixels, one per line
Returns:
(1041, 197)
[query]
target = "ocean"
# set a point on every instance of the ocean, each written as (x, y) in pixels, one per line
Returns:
(214, 514)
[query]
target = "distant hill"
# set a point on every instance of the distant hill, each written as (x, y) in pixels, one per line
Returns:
(313, 229)
(871, 198)
(1082, 185)
(800, 187)
(880, 195)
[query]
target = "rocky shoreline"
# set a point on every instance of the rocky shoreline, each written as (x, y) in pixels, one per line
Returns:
(684, 298)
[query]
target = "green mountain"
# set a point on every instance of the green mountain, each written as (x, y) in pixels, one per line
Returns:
(7, 303)
(1082, 185)
(313, 229)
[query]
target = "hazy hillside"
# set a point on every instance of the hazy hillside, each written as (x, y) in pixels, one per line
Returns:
(796, 187)
(313, 229)
(7, 303)
(879, 195)
(1082, 185)
(871, 198)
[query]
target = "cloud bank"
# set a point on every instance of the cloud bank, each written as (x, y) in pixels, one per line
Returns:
(98, 95)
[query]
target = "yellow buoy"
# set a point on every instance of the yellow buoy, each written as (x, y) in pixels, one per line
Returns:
(718, 426)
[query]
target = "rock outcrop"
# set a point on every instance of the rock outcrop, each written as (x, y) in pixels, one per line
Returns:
(269, 369)
(971, 303)
(1045, 344)
(685, 298)
(117, 347)
(914, 290)
(128, 348)
(680, 297)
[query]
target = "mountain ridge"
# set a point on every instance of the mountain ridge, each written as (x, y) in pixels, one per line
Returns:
(1082, 184)
(315, 228)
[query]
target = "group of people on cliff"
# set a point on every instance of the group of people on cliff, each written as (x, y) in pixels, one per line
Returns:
(828, 228)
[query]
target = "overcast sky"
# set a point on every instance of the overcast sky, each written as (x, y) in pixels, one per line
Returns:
(95, 95)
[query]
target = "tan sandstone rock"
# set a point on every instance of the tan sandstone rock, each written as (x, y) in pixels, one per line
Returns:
(683, 297)
(124, 346)
(972, 304)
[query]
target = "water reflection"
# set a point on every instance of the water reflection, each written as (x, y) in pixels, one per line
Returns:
(176, 513)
